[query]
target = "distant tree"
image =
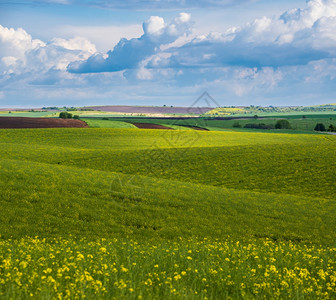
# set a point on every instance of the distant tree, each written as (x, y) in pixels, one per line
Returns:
(332, 128)
(255, 117)
(320, 127)
(283, 124)
(105, 119)
(304, 117)
(236, 125)
(76, 117)
(71, 109)
(65, 115)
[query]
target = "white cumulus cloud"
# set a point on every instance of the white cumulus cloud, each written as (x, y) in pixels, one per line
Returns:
(297, 37)
(20, 53)
(128, 54)
(289, 59)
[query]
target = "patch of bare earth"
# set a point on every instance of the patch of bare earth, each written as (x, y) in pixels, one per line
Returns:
(24, 122)
(150, 126)
(195, 127)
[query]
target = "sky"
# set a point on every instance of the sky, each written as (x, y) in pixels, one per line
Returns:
(167, 52)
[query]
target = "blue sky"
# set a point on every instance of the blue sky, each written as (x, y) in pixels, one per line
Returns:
(71, 52)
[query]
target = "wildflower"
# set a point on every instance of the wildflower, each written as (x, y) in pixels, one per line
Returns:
(80, 256)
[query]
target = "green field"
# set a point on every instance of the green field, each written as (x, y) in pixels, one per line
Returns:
(299, 123)
(182, 214)
(277, 111)
(27, 114)
(100, 123)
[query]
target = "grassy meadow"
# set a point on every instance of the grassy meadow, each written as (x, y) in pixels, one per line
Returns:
(300, 123)
(156, 214)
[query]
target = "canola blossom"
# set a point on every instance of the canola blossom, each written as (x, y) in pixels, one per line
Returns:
(200, 269)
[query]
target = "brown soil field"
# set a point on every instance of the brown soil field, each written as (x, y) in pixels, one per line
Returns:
(22, 122)
(195, 127)
(150, 126)
(153, 109)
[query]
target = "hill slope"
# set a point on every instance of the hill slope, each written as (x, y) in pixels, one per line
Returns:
(98, 182)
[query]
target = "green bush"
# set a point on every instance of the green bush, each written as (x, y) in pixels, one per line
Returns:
(71, 109)
(320, 127)
(332, 128)
(283, 124)
(65, 115)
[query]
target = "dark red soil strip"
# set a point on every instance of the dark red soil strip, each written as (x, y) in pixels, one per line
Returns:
(194, 127)
(150, 126)
(24, 122)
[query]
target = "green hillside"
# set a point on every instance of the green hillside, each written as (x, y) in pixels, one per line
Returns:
(146, 202)
(300, 123)
(48, 170)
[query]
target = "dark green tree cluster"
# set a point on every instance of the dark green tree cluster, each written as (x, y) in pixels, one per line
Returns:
(283, 124)
(321, 127)
(71, 109)
(332, 128)
(280, 124)
(66, 115)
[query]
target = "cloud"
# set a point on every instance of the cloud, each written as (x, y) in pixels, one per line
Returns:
(296, 38)
(20, 53)
(16, 43)
(104, 37)
(26, 61)
(283, 60)
(128, 54)
(77, 43)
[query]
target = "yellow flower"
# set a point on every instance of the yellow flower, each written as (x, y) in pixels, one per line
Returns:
(80, 256)
(177, 277)
(47, 271)
(123, 269)
(23, 264)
